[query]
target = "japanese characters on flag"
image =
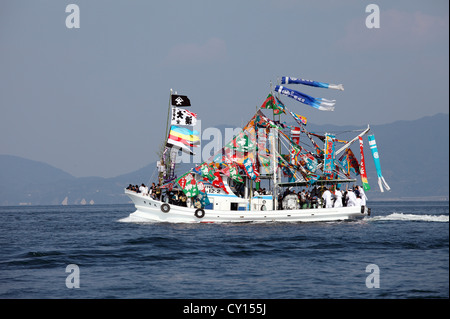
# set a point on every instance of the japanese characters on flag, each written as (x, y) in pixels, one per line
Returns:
(183, 117)
(362, 167)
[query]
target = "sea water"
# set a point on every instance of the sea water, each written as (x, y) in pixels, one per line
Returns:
(401, 251)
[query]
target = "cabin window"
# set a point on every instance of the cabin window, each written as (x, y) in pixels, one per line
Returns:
(234, 206)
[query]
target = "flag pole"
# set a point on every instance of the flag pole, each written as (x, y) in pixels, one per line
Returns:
(168, 111)
(163, 155)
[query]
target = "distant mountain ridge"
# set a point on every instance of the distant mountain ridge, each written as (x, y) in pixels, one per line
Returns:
(414, 159)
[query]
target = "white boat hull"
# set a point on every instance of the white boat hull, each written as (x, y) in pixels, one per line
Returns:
(154, 210)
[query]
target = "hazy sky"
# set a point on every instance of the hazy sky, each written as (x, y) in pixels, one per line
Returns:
(93, 101)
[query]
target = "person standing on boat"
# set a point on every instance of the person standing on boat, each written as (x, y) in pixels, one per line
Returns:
(314, 197)
(338, 198)
(327, 198)
(143, 189)
(351, 198)
(302, 197)
(363, 196)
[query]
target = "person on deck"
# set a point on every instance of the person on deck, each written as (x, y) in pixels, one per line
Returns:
(363, 196)
(143, 189)
(351, 198)
(327, 197)
(338, 198)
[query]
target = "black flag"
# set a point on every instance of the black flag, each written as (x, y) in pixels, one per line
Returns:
(180, 100)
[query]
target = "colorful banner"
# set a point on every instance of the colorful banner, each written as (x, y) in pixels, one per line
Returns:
(300, 119)
(328, 165)
(376, 159)
(250, 170)
(280, 106)
(173, 139)
(364, 181)
(291, 80)
(265, 164)
(218, 182)
(271, 104)
(311, 162)
(184, 133)
(318, 103)
(188, 185)
(202, 196)
(206, 172)
(295, 135)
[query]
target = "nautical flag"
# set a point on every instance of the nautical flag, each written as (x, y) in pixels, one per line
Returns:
(265, 161)
(188, 185)
(183, 117)
(291, 80)
(172, 138)
(180, 100)
(184, 133)
(376, 159)
(243, 142)
(252, 173)
(310, 161)
(300, 119)
(318, 103)
(176, 144)
(280, 106)
(234, 173)
(328, 164)
(295, 135)
(202, 196)
(218, 182)
(364, 181)
(352, 162)
(271, 104)
(182, 138)
(206, 172)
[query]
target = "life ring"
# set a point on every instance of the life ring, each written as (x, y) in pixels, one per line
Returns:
(199, 213)
(165, 208)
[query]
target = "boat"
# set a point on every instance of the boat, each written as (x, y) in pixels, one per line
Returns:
(227, 187)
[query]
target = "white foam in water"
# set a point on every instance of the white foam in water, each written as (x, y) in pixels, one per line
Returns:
(413, 217)
(135, 219)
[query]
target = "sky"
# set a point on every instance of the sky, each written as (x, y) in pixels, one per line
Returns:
(93, 100)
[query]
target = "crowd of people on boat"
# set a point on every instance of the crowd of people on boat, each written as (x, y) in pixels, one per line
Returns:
(317, 197)
(153, 191)
(175, 197)
(322, 197)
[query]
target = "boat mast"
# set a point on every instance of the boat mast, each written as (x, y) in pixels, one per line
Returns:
(274, 157)
(274, 163)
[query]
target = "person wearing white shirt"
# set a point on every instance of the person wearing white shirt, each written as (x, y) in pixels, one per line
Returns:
(363, 196)
(143, 189)
(338, 198)
(351, 198)
(327, 197)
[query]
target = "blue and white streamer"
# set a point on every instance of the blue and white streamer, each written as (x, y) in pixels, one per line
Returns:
(291, 80)
(318, 103)
(376, 159)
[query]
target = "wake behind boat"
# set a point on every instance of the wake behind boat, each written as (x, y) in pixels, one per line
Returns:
(303, 180)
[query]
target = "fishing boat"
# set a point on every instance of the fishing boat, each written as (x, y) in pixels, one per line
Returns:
(303, 179)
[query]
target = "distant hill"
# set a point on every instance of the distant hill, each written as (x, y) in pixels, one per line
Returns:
(414, 159)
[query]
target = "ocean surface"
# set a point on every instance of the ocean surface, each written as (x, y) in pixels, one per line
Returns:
(401, 251)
